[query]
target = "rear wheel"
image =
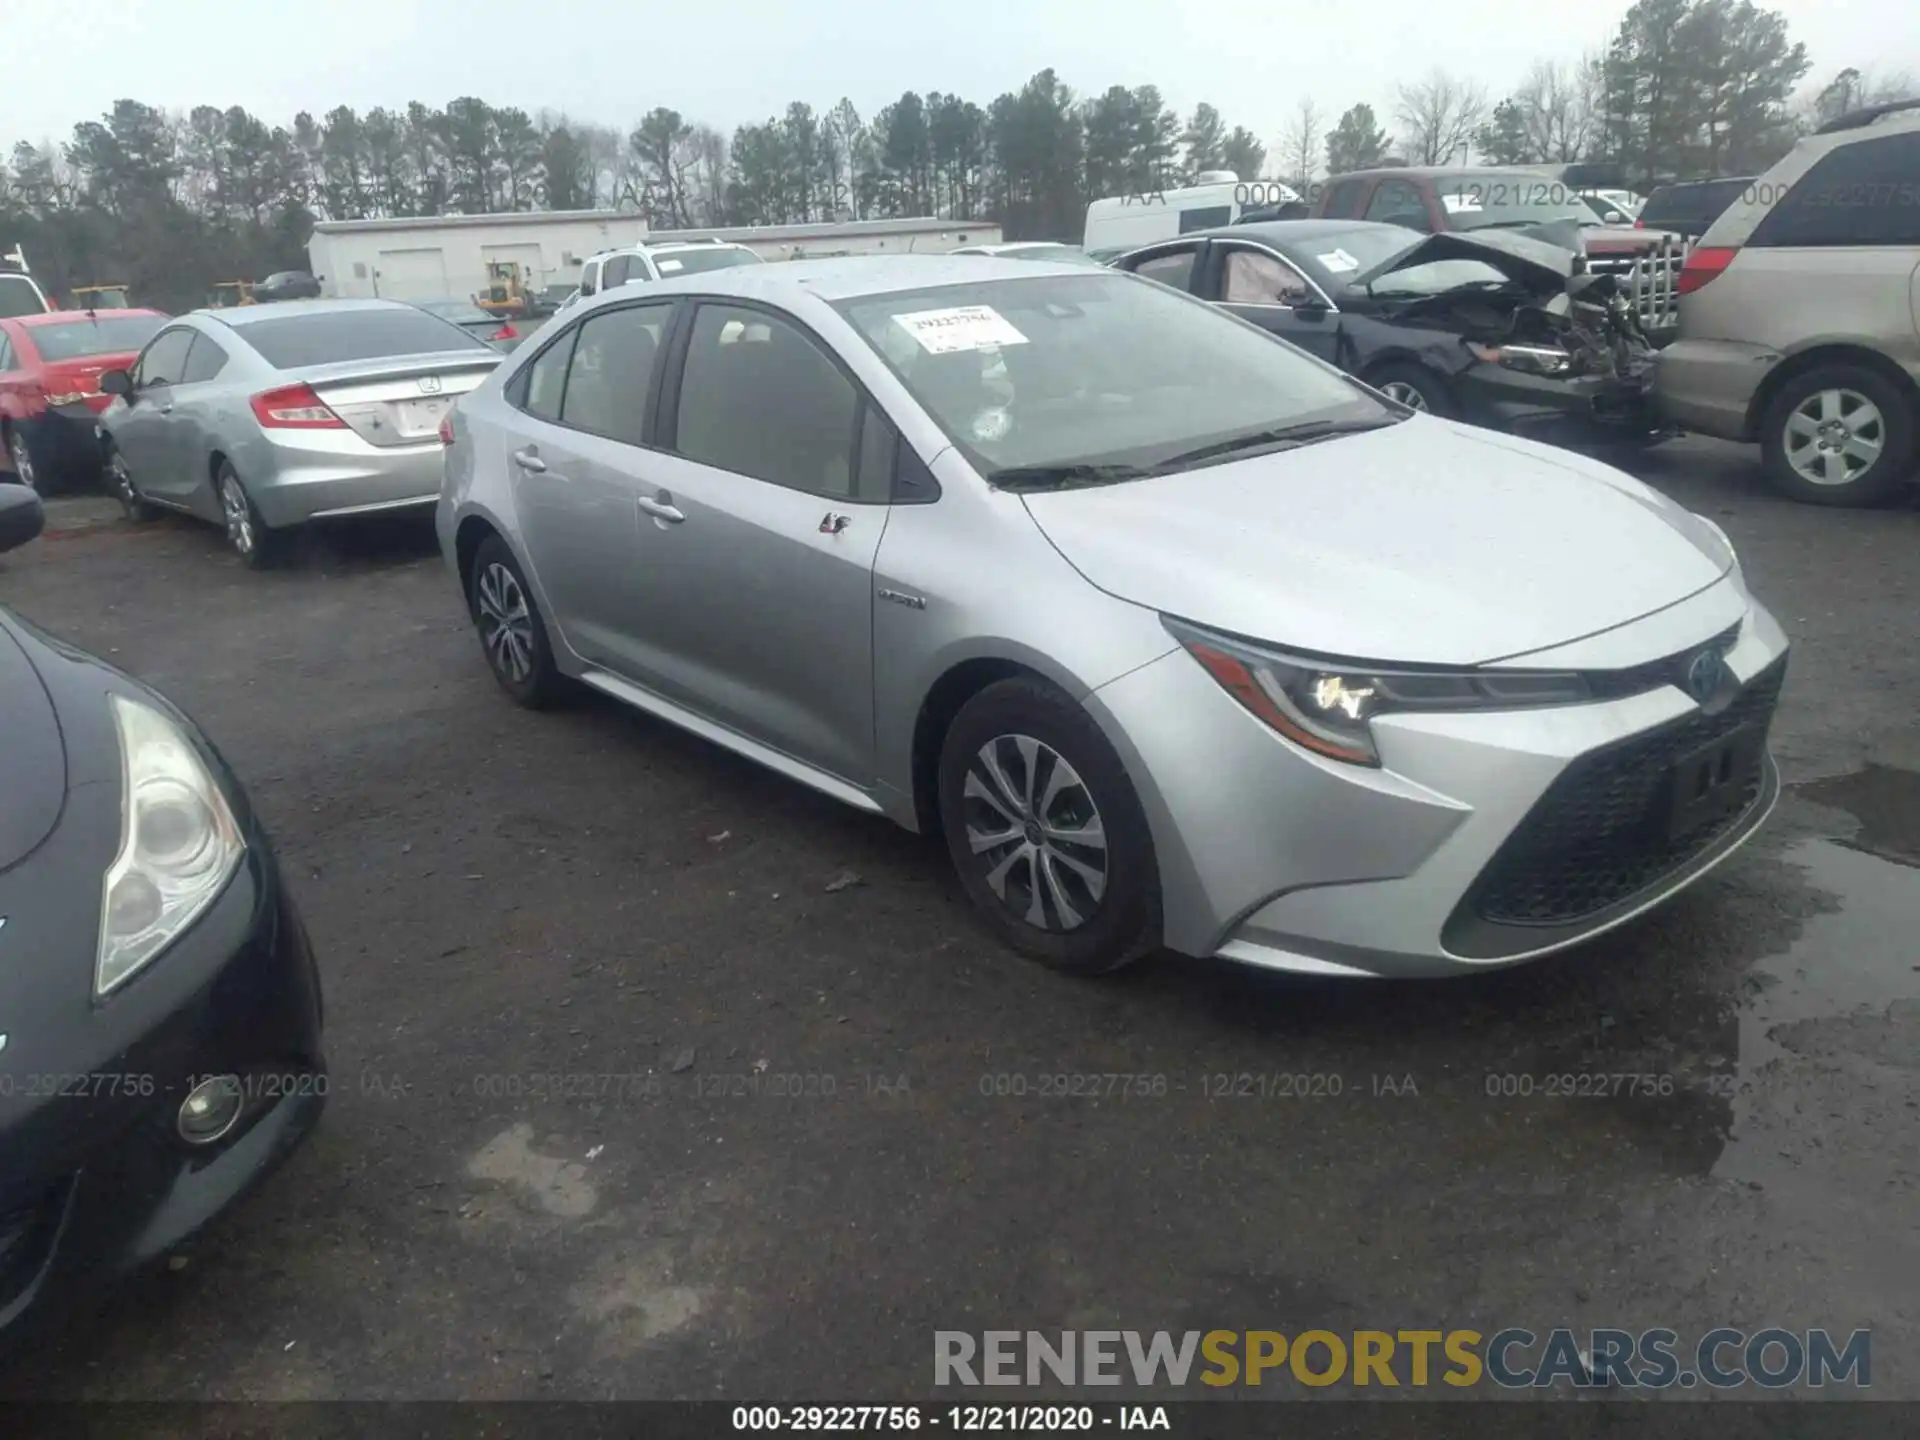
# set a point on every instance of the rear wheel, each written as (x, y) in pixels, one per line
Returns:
(256, 545)
(1415, 387)
(513, 635)
(1839, 435)
(1046, 830)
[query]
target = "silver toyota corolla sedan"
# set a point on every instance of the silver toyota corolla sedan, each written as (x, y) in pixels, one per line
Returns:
(261, 418)
(1177, 635)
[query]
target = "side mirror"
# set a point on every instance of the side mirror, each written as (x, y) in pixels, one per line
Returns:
(21, 516)
(116, 382)
(1309, 309)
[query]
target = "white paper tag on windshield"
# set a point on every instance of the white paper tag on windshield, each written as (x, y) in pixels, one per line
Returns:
(1457, 202)
(965, 327)
(1339, 262)
(667, 267)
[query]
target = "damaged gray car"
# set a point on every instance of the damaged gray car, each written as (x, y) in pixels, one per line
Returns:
(1490, 327)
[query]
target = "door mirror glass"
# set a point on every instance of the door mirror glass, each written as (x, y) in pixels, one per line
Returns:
(116, 382)
(21, 517)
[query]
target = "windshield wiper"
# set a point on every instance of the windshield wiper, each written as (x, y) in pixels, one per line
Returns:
(1279, 437)
(1064, 477)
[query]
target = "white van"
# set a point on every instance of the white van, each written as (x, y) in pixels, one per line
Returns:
(1127, 222)
(19, 295)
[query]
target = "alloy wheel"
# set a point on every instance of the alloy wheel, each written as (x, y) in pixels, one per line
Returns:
(22, 461)
(506, 623)
(233, 504)
(123, 483)
(1031, 822)
(1404, 393)
(1834, 437)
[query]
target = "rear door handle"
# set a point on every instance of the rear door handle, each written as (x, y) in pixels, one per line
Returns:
(530, 462)
(661, 510)
(167, 409)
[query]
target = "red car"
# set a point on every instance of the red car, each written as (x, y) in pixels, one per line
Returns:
(50, 369)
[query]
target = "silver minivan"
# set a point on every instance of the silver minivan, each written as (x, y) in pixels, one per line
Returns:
(1800, 314)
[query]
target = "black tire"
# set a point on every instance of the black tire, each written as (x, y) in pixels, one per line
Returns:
(125, 488)
(1876, 481)
(1434, 396)
(1120, 923)
(258, 547)
(32, 466)
(518, 654)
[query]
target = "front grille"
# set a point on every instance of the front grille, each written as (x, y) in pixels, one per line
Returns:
(1597, 838)
(1650, 280)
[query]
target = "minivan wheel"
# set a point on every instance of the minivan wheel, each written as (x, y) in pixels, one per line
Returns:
(513, 635)
(1415, 387)
(1046, 831)
(1838, 435)
(256, 545)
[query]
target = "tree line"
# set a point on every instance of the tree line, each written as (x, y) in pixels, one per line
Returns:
(174, 203)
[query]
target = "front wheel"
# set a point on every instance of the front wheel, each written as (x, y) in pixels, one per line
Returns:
(120, 477)
(1046, 830)
(1415, 387)
(26, 459)
(1838, 435)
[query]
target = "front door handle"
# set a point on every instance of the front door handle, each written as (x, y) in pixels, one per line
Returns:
(530, 462)
(167, 409)
(661, 510)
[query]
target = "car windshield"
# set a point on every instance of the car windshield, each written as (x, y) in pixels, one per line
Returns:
(330, 337)
(1436, 277)
(689, 262)
(1344, 254)
(80, 338)
(1476, 200)
(1078, 372)
(18, 297)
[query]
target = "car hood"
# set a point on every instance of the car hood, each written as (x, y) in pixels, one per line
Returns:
(1423, 542)
(33, 758)
(1540, 267)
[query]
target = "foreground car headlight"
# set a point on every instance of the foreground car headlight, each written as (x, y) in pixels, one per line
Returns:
(1530, 359)
(1329, 707)
(179, 844)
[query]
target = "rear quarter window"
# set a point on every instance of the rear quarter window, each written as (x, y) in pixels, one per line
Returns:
(1862, 194)
(335, 337)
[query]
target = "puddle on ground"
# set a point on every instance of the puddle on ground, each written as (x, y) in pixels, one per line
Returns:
(1846, 995)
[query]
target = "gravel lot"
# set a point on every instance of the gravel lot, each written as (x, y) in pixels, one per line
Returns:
(498, 897)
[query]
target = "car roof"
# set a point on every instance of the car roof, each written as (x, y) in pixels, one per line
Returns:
(240, 316)
(71, 317)
(851, 277)
(1280, 231)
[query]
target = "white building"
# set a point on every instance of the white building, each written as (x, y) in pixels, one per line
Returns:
(446, 256)
(931, 236)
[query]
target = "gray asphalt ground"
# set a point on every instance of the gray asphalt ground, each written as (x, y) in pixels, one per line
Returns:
(498, 897)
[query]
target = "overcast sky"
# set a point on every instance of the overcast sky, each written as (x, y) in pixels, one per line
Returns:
(742, 60)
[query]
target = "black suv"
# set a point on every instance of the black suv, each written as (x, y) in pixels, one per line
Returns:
(1691, 206)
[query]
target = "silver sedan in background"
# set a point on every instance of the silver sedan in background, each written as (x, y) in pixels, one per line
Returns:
(1177, 635)
(263, 418)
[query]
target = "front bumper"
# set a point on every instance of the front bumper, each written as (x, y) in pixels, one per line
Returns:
(334, 474)
(1580, 408)
(94, 1180)
(1277, 857)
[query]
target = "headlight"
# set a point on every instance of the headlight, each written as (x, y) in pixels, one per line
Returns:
(178, 844)
(1531, 359)
(1329, 707)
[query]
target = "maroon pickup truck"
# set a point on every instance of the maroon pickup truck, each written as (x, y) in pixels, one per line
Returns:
(1434, 200)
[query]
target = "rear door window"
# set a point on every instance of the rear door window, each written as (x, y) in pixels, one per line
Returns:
(539, 390)
(610, 374)
(1866, 193)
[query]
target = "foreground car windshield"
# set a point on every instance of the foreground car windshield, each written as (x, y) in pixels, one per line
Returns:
(1476, 201)
(458, 311)
(341, 335)
(98, 337)
(1095, 370)
(688, 262)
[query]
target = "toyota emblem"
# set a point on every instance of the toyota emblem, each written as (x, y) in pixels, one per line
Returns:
(429, 384)
(1703, 675)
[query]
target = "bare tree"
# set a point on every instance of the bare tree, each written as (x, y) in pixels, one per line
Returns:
(1300, 146)
(1438, 116)
(1853, 89)
(1559, 108)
